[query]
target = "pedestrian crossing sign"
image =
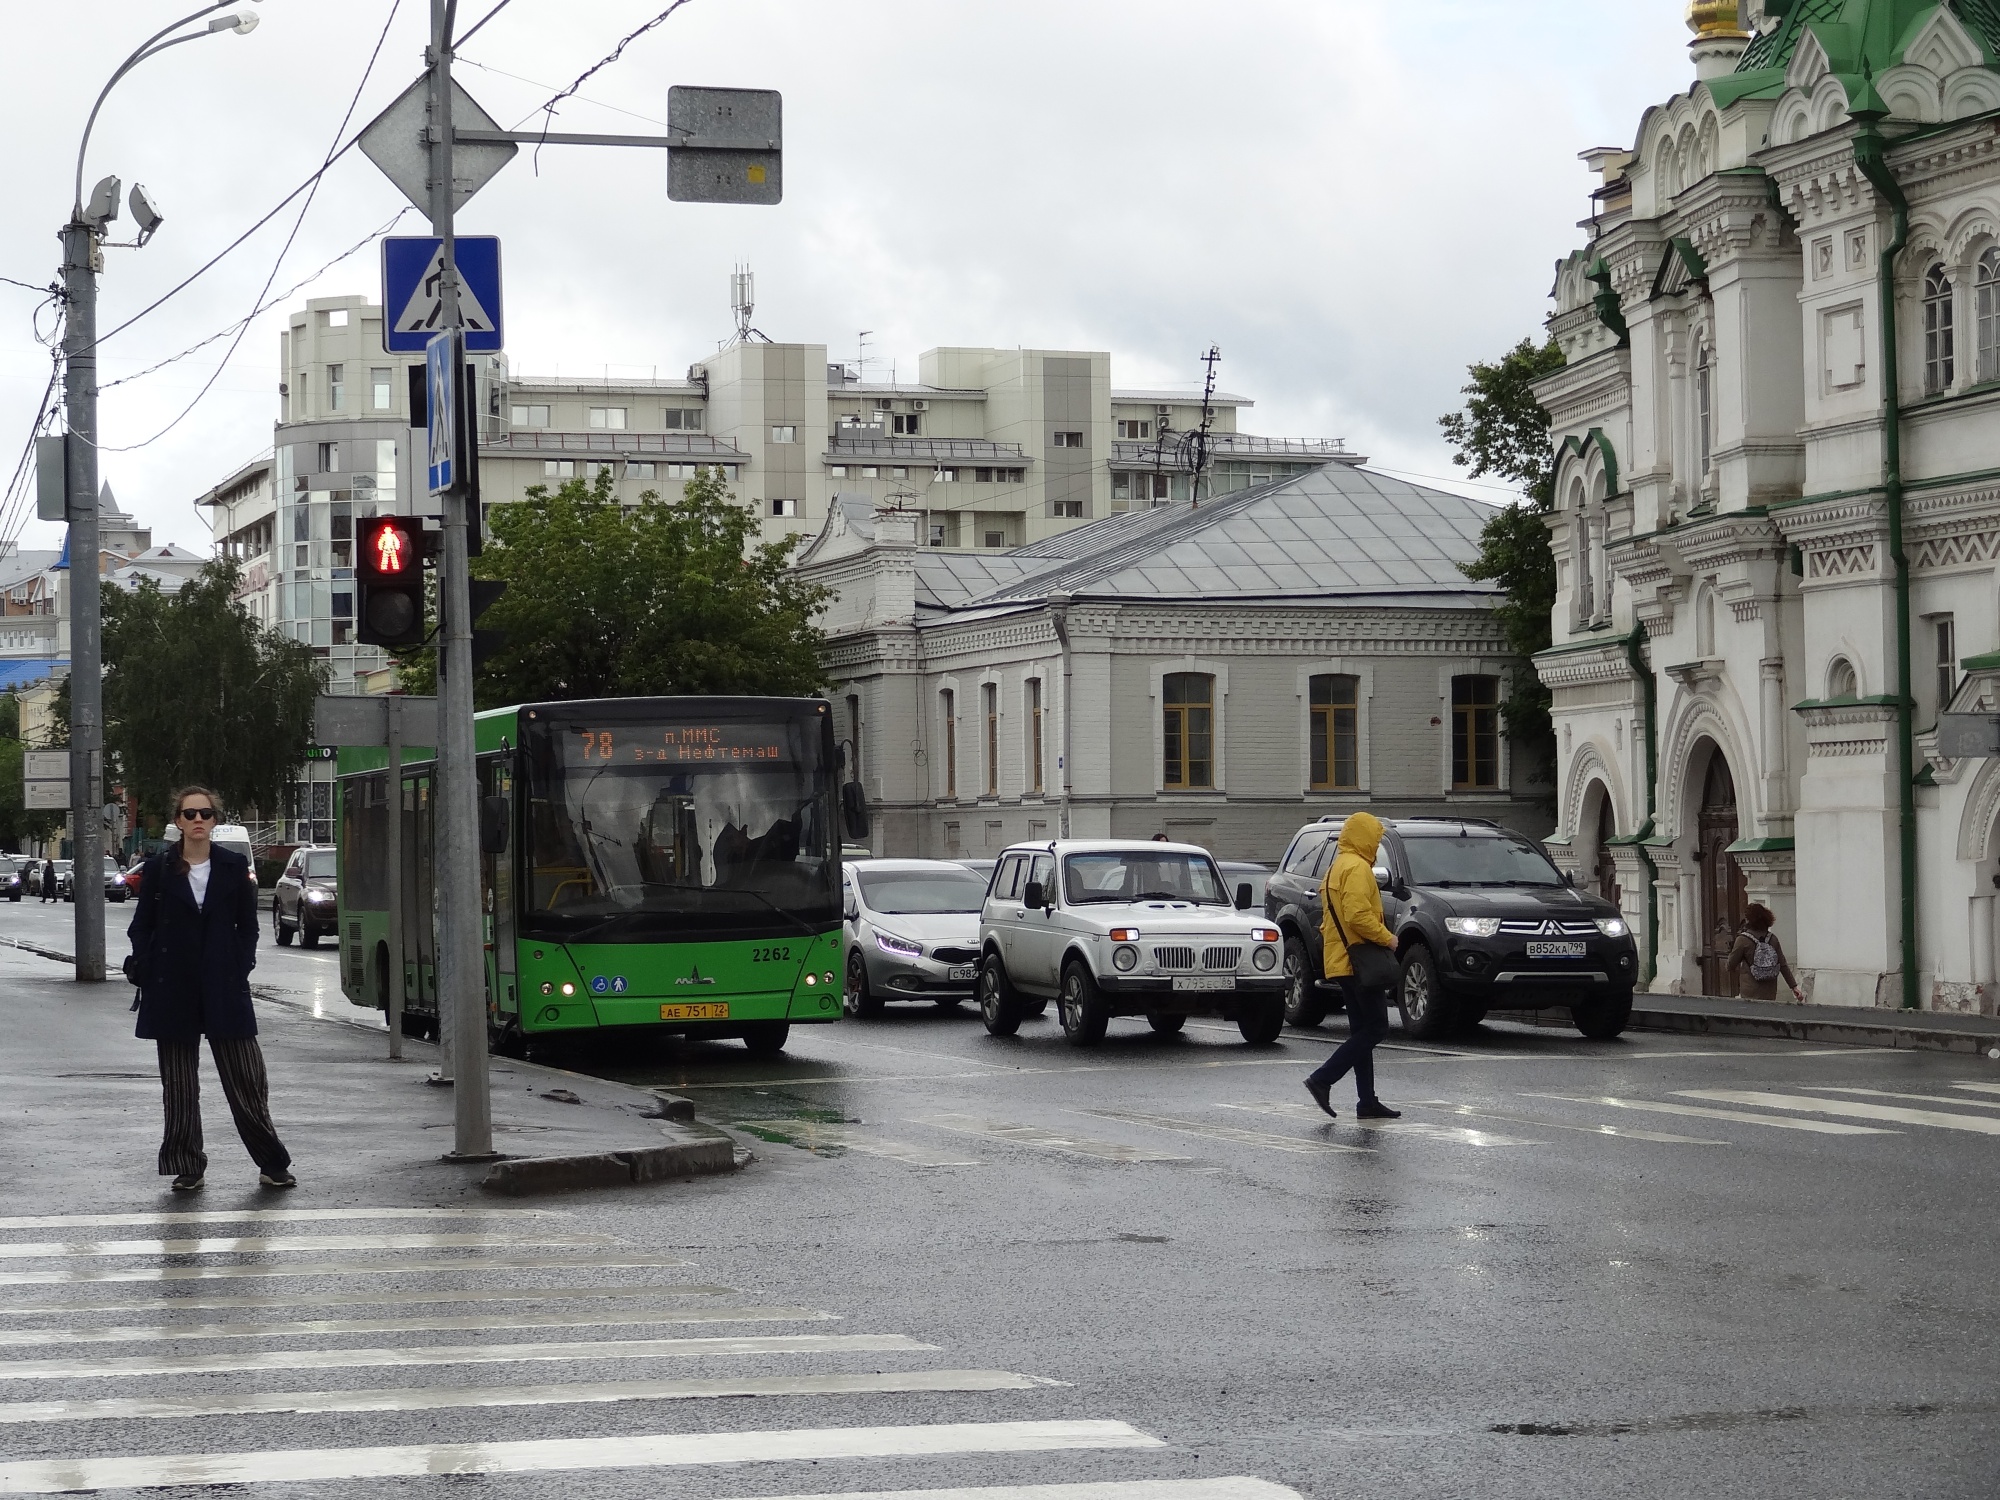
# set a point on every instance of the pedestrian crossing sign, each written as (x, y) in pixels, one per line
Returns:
(412, 292)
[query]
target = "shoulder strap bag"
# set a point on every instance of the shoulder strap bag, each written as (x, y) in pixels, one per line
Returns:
(1375, 967)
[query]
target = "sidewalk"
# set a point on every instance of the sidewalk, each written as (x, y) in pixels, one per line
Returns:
(1708, 1015)
(80, 1110)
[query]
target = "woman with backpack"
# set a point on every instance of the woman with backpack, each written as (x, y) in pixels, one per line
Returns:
(194, 943)
(1760, 958)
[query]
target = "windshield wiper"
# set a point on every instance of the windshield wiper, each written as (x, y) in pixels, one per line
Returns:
(803, 927)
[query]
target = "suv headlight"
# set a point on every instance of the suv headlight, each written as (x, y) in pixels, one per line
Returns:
(1612, 926)
(1479, 927)
(1125, 960)
(901, 947)
(317, 896)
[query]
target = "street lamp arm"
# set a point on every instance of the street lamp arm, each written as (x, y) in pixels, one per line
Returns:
(144, 50)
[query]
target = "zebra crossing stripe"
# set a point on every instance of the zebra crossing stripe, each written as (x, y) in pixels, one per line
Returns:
(68, 1476)
(292, 1244)
(266, 1216)
(443, 1398)
(1047, 1140)
(376, 1298)
(81, 1275)
(456, 1354)
(1936, 1119)
(165, 1332)
(1742, 1117)
(1231, 1487)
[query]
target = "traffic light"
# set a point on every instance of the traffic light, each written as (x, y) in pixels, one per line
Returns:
(482, 592)
(390, 576)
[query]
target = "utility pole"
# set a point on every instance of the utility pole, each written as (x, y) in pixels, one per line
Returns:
(461, 945)
(82, 257)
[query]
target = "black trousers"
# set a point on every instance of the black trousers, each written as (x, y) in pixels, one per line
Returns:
(240, 1063)
(1367, 1024)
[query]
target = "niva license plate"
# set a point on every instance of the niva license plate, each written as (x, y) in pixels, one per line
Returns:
(1221, 982)
(1558, 950)
(712, 1010)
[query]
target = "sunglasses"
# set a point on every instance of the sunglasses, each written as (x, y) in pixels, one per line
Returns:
(198, 814)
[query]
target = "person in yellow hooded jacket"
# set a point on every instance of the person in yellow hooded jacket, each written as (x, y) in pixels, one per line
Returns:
(1360, 952)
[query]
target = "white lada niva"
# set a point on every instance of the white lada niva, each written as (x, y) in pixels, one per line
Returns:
(1121, 928)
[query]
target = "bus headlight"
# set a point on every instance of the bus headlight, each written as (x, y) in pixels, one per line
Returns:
(1265, 959)
(569, 989)
(1125, 960)
(812, 979)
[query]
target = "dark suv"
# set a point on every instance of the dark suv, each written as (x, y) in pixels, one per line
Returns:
(1486, 922)
(306, 899)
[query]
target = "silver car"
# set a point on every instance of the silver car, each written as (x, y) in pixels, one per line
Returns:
(912, 932)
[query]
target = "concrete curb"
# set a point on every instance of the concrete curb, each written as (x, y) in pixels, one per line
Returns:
(559, 1174)
(1839, 1033)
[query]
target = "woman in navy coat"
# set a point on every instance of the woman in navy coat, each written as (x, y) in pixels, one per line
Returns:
(194, 943)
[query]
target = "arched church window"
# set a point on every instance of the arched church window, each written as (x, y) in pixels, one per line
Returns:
(1940, 349)
(1840, 679)
(1704, 400)
(1704, 624)
(1986, 303)
(1586, 558)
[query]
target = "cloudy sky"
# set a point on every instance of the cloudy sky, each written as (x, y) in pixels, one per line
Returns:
(1353, 198)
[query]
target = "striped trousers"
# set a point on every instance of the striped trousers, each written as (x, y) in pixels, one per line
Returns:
(240, 1062)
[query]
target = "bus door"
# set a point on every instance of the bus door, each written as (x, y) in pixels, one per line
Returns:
(419, 898)
(496, 892)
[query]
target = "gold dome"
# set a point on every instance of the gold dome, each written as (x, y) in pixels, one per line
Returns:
(1717, 18)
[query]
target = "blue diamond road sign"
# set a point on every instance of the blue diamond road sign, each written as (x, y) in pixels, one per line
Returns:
(413, 309)
(443, 365)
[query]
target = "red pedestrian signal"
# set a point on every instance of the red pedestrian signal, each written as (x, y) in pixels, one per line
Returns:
(390, 575)
(389, 547)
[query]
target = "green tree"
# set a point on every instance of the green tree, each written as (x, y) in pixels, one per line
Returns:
(196, 690)
(1503, 431)
(666, 597)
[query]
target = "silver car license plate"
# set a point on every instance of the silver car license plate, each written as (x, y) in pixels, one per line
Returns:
(1220, 982)
(1558, 950)
(962, 973)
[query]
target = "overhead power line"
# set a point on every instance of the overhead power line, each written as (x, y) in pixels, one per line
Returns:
(548, 110)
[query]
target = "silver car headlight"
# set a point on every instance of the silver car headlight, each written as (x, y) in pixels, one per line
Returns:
(1479, 927)
(901, 947)
(1125, 960)
(1265, 959)
(1612, 926)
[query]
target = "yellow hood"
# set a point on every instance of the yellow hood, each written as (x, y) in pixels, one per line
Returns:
(1361, 834)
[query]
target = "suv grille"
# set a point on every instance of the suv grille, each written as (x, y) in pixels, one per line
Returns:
(1221, 958)
(1550, 928)
(954, 955)
(1174, 958)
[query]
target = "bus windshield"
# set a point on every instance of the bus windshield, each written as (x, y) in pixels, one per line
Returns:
(679, 829)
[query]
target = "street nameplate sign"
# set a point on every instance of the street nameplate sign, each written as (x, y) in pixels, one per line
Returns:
(364, 721)
(45, 796)
(739, 155)
(394, 141)
(412, 298)
(442, 370)
(52, 478)
(1968, 736)
(45, 765)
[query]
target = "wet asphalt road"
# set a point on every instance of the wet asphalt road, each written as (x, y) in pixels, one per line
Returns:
(1657, 1267)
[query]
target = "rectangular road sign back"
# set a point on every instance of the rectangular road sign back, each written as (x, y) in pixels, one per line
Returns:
(1968, 736)
(740, 136)
(364, 721)
(45, 796)
(45, 765)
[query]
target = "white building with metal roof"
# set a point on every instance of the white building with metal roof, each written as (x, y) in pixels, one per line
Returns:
(1220, 674)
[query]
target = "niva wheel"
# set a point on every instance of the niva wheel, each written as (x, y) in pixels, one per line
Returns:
(1081, 1008)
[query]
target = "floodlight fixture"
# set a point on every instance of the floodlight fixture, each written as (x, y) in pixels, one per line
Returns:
(145, 212)
(103, 207)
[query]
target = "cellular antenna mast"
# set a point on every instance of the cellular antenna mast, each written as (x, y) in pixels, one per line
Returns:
(743, 302)
(1198, 441)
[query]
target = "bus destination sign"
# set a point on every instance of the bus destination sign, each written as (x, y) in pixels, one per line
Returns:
(679, 745)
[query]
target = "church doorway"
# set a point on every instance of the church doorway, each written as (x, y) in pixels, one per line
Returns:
(1724, 893)
(1604, 872)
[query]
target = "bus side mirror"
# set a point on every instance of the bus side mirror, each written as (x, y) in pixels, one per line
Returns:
(493, 825)
(854, 811)
(1243, 896)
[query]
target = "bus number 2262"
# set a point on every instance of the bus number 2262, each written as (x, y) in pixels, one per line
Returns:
(770, 955)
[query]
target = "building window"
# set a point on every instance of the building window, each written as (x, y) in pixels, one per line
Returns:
(994, 538)
(1986, 303)
(899, 473)
(1035, 734)
(334, 318)
(534, 415)
(945, 476)
(785, 434)
(1940, 362)
(837, 471)
(681, 419)
(948, 701)
(906, 424)
(1067, 440)
(1071, 510)
(1840, 680)
(854, 736)
(1704, 398)
(558, 468)
(379, 388)
(982, 476)
(607, 418)
(784, 507)
(642, 471)
(1336, 709)
(1475, 734)
(991, 693)
(937, 533)
(1135, 431)
(1947, 660)
(329, 458)
(869, 471)
(1188, 706)
(336, 387)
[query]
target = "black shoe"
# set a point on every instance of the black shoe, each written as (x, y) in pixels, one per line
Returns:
(188, 1182)
(278, 1179)
(1375, 1109)
(1322, 1096)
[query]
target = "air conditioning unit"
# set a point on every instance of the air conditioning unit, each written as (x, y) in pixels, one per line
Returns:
(1163, 411)
(920, 406)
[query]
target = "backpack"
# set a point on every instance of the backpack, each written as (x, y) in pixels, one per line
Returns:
(1763, 957)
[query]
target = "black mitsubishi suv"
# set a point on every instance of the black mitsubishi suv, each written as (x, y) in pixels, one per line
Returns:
(1486, 923)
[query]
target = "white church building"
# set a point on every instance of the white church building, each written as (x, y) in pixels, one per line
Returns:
(1777, 520)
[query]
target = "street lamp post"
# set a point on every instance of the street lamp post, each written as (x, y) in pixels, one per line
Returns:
(83, 257)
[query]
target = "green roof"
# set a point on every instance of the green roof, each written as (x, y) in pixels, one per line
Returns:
(1860, 37)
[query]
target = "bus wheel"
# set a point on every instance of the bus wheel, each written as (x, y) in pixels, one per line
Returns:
(766, 1038)
(510, 1042)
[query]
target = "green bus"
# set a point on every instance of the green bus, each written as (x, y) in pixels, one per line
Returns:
(665, 864)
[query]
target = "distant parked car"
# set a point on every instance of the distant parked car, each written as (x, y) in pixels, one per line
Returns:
(1239, 873)
(912, 932)
(132, 873)
(13, 877)
(306, 900)
(983, 868)
(114, 880)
